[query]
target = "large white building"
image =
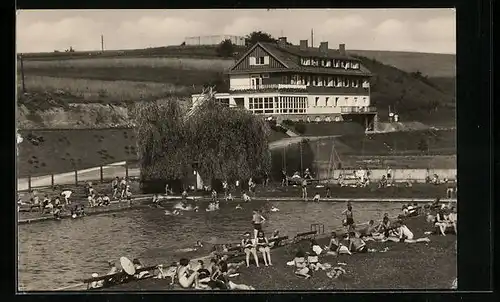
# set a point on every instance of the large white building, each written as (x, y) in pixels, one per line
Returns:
(300, 83)
(214, 40)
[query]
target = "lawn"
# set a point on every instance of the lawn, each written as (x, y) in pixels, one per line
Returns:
(430, 265)
(44, 152)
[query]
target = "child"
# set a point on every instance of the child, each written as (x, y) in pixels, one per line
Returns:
(316, 197)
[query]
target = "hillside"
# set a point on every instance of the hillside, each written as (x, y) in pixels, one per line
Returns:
(411, 95)
(129, 76)
(429, 64)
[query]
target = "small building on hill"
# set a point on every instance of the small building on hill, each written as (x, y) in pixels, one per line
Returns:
(214, 40)
(300, 83)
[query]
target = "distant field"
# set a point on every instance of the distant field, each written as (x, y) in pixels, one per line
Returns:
(178, 63)
(97, 90)
(430, 64)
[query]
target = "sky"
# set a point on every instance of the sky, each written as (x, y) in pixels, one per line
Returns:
(418, 30)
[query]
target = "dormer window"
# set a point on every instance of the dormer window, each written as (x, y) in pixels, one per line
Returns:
(315, 62)
(305, 61)
(355, 65)
(336, 63)
(328, 63)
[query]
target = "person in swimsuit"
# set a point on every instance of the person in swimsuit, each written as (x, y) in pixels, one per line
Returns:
(257, 220)
(105, 200)
(385, 226)
(316, 197)
(249, 247)
(403, 234)
(186, 280)
(356, 245)
(334, 245)
(304, 189)
(301, 265)
(263, 247)
(114, 186)
(284, 178)
(246, 197)
(349, 220)
(441, 221)
(203, 276)
(367, 233)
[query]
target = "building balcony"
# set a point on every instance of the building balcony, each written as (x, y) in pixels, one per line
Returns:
(268, 87)
(357, 109)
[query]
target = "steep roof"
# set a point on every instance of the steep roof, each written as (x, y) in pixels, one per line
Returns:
(290, 56)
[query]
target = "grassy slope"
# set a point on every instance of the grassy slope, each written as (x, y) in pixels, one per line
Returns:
(404, 266)
(86, 148)
(412, 96)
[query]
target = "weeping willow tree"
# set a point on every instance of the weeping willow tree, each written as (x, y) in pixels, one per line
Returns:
(162, 141)
(228, 143)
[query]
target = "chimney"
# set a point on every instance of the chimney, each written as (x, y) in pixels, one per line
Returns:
(282, 41)
(323, 47)
(342, 49)
(303, 44)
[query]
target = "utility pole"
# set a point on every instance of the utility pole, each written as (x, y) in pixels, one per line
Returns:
(22, 73)
(312, 38)
(102, 43)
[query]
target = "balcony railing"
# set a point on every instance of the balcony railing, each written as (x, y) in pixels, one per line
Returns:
(358, 109)
(268, 86)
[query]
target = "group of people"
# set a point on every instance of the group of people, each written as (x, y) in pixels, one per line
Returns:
(57, 204)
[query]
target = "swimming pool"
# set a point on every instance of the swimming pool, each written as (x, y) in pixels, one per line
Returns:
(53, 254)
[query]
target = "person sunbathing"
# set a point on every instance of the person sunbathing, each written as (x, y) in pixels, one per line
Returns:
(403, 234)
(356, 245)
(385, 226)
(336, 247)
(203, 276)
(367, 233)
(249, 247)
(301, 265)
(186, 279)
(138, 265)
(312, 257)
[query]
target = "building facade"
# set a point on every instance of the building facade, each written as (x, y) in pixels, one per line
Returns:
(300, 83)
(214, 40)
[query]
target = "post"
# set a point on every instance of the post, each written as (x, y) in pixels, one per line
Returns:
(102, 43)
(101, 174)
(317, 163)
(126, 169)
(29, 183)
(52, 180)
(301, 167)
(76, 177)
(22, 73)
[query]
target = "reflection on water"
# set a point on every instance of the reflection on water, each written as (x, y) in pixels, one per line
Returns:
(53, 254)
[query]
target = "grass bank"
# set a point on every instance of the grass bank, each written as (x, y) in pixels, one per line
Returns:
(430, 265)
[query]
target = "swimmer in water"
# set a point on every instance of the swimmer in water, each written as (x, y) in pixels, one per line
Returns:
(239, 207)
(196, 208)
(274, 209)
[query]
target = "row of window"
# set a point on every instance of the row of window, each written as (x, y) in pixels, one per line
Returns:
(331, 63)
(282, 104)
(334, 102)
(326, 81)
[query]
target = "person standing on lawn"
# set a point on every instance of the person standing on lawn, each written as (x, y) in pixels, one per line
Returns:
(304, 189)
(349, 220)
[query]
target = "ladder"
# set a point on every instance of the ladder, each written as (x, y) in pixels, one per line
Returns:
(332, 163)
(207, 94)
